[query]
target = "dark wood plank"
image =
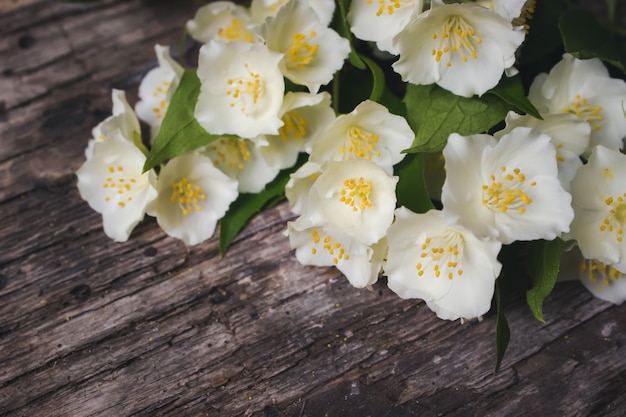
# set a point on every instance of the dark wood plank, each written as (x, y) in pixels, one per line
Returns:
(89, 327)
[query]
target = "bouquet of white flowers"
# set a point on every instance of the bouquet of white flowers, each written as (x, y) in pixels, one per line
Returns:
(439, 144)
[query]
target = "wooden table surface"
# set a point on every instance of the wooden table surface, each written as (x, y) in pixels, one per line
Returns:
(89, 327)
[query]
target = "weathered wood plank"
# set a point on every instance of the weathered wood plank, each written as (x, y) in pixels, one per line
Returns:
(89, 327)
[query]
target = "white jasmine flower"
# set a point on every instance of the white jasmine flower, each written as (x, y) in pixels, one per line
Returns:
(242, 160)
(262, 9)
(464, 48)
(447, 266)
(380, 21)
(507, 189)
(568, 134)
(224, 21)
(304, 115)
(299, 184)
(123, 120)
(322, 246)
(193, 196)
(603, 281)
(599, 201)
(242, 89)
(112, 183)
(370, 132)
(312, 51)
(156, 89)
(584, 88)
(356, 197)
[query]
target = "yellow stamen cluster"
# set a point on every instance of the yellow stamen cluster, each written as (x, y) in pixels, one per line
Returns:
(599, 273)
(528, 10)
(119, 183)
(559, 158)
(301, 52)
(585, 111)
(294, 126)
(356, 193)
(187, 196)
(362, 144)
(441, 255)
(160, 90)
(232, 152)
(505, 192)
(236, 31)
(457, 36)
(245, 90)
(383, 7)
(616, 217)
(330, 245)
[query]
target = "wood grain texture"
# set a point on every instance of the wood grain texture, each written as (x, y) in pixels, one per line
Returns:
(89, 327)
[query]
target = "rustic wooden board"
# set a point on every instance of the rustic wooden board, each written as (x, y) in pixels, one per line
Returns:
(89, 327)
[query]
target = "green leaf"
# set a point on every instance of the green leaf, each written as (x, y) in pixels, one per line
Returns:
(511, 91)
(585, 38)
(545, 257)
(247, 205)
(180, 132)
(434, 113)
(510, 276)
(393, 103)
(411, 189)
(503, 332)
(378, 77)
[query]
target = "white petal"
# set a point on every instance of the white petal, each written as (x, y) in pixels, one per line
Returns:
(356, 197)
(321, 246)
(299, 184)
(565, 129)
(584, 88)
(157, 88)
(373, 21)
(509, 9)
(447, 266)
(603, 281)
(242, 89)
(370, 132)
(304, 115)
(241, 159)
(464, 179)
(262, 9)
(193, 196)
(462, 47)
(517, 196)
(123, 120)
(111, 181)
(221, 20)
(312, 52)
(599, 201)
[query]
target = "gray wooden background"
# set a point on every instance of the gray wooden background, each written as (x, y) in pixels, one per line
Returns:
(89, 327)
